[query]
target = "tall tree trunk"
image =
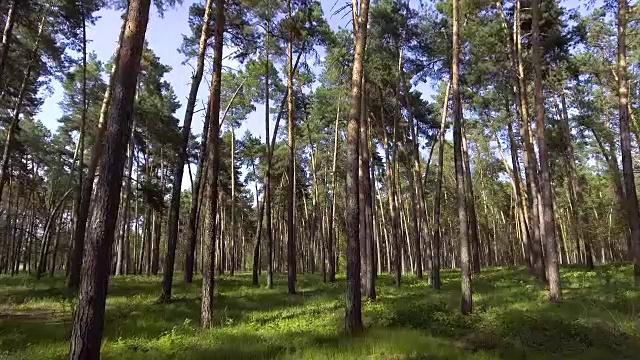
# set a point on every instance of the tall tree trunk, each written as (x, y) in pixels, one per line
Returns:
(13, 126)
(555, 291)
(414, 173)
(353, 313)
(83, 116)
(334, 188)
(576, 196)
(75, 263)
(515, 163)
(256, 247)
(88, 324)
(213, 162)
(437, 231)
(465, 266)
(364, 193)
(7, 34)
(625, 140)
(291, 231)
(530, 162)
(471, 208)
(267, 176)
(174, 207)
(232, 231)
(196, 202)
(124, 221)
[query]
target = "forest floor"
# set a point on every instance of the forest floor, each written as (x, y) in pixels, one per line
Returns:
(599, 318)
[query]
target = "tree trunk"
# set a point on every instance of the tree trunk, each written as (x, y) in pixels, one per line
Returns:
(471, 208)
(353, 313)
(196, 202)
(364, 193)
(530, 162)
(75, 263)
(6, 37)
(213, 162)
(625, 140)
(267, 176)
(89, 317)
(256, 248)
(174, 207)
(466, 303)
(13, 127)
(83, 116)
(555, 292)
(332, 216)
(414, 172)
(437, 231)
(291, 231)
(124, 222)
(232, 231)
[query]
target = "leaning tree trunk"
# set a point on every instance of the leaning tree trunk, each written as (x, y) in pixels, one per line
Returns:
(174, 207)
(353, 314)
(466, 303)
(212, 163)
(75, 263)
(88, 323)
(625, 140)
(437, 231)
(555, 292)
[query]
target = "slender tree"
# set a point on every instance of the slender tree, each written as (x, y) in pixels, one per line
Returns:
(465, 265)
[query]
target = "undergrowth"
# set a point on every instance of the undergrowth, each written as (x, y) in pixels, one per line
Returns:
(599, 318)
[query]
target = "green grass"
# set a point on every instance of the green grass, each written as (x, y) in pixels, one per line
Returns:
(599, 318)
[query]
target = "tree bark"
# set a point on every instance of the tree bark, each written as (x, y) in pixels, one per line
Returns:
(555, 291)
(471, 208)
(466, 301)
(437, 231)
(213, 162)
(353, 313)
(332, 217)
(625, 140)
(15, 119)
(530, 162)
(88, 325)
(174, 207)
(291, 231)
(196, 202)
(75, 263)
(124, 222)
(7, 34)
(414, 172)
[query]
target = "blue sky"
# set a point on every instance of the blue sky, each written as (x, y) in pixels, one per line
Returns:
(164, 35)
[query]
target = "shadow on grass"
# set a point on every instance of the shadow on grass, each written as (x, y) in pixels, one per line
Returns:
(512, 319)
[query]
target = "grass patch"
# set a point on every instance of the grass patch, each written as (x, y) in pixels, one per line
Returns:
(599, 318)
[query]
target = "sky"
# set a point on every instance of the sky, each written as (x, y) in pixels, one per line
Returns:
(164, 35)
